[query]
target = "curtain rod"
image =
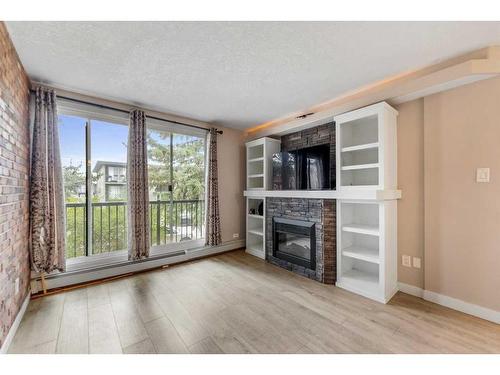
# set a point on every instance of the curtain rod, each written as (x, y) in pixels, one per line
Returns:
(124, 111)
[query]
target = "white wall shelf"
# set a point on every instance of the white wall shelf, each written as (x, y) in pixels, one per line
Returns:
(364, 194)
(367, 148)
(260, 217)
(367, 247)
(256, 232)
(361, 229)
(359, 166)
(363, 253)
(259, 175)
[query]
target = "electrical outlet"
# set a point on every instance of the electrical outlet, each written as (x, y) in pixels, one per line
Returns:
(17, 286)
(236, 235)
(417, 263)
(406, 260)
(483, 175)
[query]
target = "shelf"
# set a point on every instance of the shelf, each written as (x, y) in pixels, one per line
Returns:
(256, 232)
(256, 216)
(360, 280)
(255, 159)
(362, 253)
(255, 249)
(365, 146)
(360, 166)
(359, 193)
(362, 229)
(255, 175)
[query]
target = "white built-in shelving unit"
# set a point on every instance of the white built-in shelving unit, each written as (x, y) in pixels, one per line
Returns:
(366, 148)
(367, 229)
(259, 175)
(366, 248)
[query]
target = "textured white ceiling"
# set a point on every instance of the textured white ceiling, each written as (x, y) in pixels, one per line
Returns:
(237, 74)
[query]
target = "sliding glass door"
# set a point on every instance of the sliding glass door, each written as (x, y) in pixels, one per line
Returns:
(108, 170)
(72, 136)
(176, 172)
(94, 158)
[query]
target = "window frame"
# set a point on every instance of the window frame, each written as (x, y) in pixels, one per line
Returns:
(95, 112)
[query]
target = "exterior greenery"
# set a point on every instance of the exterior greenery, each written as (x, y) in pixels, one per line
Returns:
(181, 219)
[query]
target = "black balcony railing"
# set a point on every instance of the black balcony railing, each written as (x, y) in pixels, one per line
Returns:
(180, 220)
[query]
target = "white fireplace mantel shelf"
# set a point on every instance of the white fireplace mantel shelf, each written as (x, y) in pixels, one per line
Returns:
(354, 194)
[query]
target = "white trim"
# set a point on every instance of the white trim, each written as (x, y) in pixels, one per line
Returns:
(13, 329)
(369, 193)
(452, 303)
(411, 289)
(465, 307)
(71, 278)
(120, 256)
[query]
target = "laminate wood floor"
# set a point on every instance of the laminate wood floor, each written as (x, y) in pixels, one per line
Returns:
(236, 303)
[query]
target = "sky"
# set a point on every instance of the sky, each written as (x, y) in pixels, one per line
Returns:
(108, 141)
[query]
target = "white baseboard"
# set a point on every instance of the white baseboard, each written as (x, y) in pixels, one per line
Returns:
(71, 278)
(465, 307)
(13, 329)
(411, 289)
(452, 303)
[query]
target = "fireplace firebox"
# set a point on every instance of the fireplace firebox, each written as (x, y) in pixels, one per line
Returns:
(295, 241)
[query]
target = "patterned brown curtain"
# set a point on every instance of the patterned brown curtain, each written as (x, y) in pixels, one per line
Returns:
(137, 180)
(47, 222)
(213, 233)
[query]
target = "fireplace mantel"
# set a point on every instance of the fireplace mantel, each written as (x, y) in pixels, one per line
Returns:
(361, 194)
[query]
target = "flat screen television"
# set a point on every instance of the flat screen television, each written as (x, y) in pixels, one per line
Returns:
(303, 169)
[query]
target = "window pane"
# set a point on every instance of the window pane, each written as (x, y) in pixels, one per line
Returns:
(72, 144)
(176, 168)
(188, 186)
(159, 183)
(109, 186)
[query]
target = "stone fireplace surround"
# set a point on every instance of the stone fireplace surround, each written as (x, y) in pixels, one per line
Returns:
(322, 213)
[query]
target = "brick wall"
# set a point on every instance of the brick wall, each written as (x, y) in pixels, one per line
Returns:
(319, 135)
(14, 168)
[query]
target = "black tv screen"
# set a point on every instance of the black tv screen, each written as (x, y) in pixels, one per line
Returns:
(303, 169)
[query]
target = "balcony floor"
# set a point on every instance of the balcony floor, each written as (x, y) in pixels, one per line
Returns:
(235, 303)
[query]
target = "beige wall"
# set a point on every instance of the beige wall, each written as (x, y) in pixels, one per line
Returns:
(411, 182)
(462, 217)
(231, 164)
(442, 139)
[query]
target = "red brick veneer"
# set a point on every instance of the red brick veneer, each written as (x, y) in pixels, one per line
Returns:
(14, 169)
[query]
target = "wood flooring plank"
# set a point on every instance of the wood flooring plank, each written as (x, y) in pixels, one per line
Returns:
(74, 331)
(205, 346)
(190, 329)
(142, 347)
(165, 337)
(103, 333)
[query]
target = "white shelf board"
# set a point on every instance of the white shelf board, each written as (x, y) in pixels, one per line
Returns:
(255, 216)
(255, 175)
(362, 253)
(365, 146)
(361, 277)
(347, 192)
(362, 229)
(359, 166)
(256, 159)
(256, 232)
(360, 282)
(256, 251)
